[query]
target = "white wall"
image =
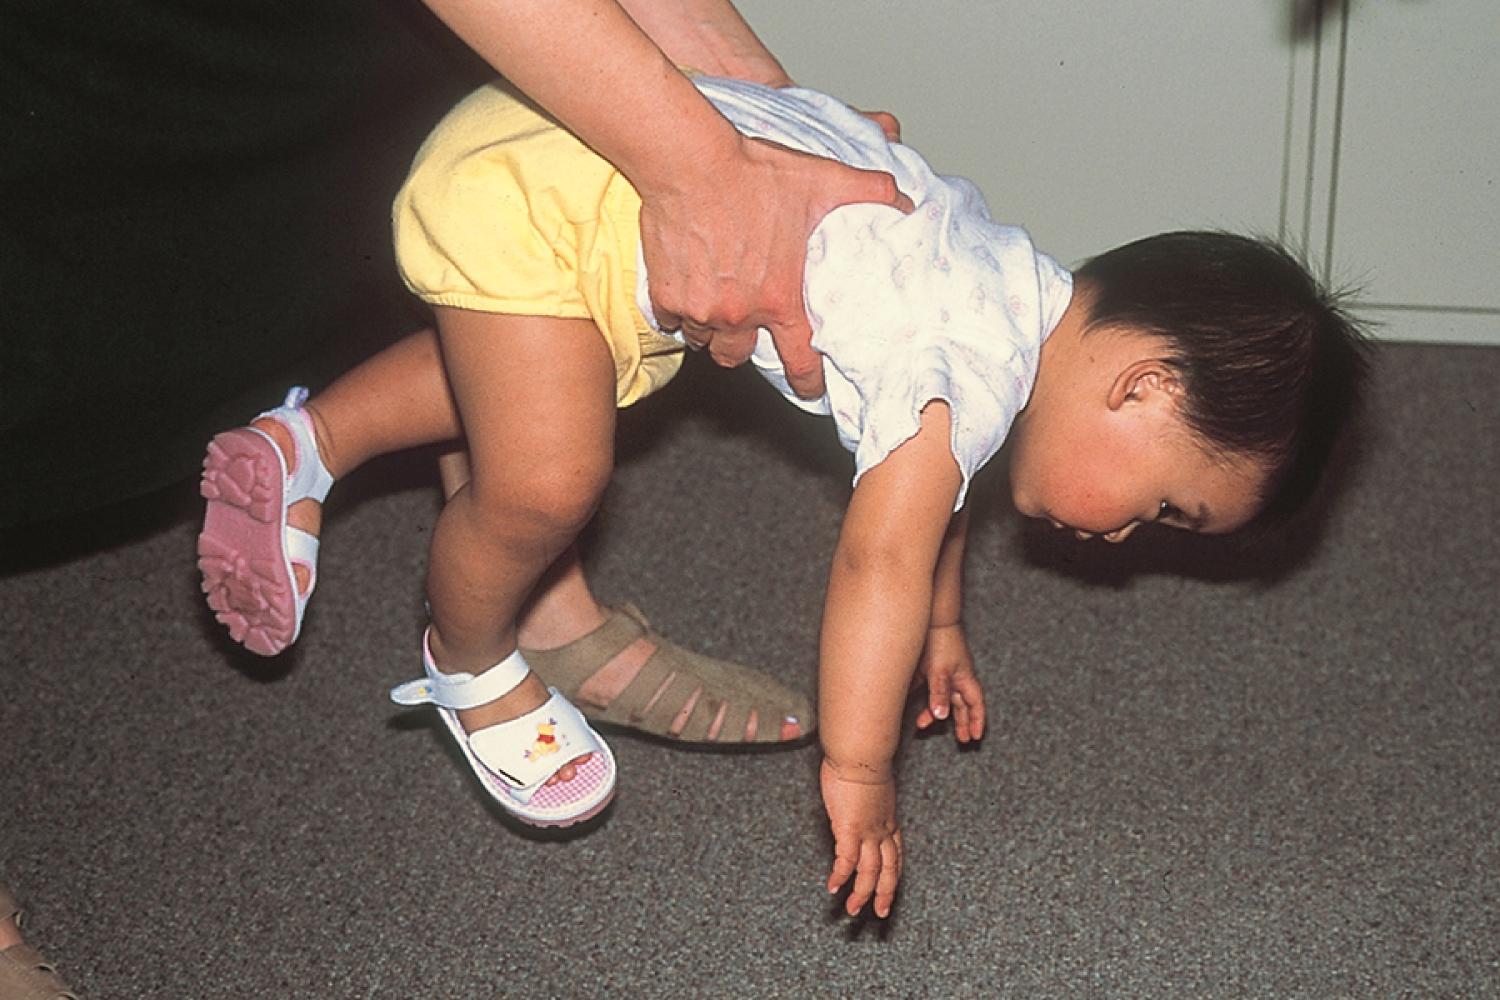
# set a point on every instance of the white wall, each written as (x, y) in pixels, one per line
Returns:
(1094, 123)
(1418, 185)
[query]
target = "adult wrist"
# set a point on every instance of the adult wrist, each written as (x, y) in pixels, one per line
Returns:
(703, 147)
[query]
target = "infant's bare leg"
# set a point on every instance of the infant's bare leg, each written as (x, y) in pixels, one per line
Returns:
(562, 608)
(397, 399)
(536, 398)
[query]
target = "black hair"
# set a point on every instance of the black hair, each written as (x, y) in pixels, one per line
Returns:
(1272, 366)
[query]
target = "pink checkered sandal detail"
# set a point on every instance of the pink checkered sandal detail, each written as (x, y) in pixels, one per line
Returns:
(514, 760)
(247, 550)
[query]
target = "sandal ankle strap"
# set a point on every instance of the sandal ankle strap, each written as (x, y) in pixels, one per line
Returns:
(310, 478)
(460, 690)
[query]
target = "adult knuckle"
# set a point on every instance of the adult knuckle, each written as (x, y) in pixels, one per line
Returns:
(734, 310)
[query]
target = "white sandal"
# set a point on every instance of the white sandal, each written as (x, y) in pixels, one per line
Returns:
(246, 550)
(513, 760)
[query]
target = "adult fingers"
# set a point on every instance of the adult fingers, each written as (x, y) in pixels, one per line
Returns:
(696, 334)
(790, 330)
(889, 123)
(874, 186)
(731, 348)
(666, 319)
(880, 188)
(803, 365)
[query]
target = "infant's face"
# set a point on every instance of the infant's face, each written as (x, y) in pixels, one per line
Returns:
(1107, 477)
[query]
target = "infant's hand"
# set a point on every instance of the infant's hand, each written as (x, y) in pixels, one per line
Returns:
(953, 688)
(866, 840)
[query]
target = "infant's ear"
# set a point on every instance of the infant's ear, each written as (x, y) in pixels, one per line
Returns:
(1146, 380)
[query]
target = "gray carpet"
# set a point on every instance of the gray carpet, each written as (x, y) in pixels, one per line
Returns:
(1274, 773)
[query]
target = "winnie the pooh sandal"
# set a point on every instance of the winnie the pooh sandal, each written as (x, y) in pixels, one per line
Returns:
(514, 760)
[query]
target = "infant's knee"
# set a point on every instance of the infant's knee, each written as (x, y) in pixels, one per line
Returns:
(551, 503)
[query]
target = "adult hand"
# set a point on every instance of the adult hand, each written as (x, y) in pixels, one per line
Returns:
(726, 246)
(889, 123)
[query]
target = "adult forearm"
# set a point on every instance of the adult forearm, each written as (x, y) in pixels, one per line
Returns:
(655, 126)
(709, 36)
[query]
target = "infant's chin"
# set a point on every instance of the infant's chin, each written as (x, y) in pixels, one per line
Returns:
(1024, 506)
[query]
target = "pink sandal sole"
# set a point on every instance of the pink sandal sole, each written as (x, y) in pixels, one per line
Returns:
(247, 574)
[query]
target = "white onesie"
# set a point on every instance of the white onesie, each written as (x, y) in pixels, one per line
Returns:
(943, 303)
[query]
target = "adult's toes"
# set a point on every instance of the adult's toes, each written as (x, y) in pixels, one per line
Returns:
(790, 728)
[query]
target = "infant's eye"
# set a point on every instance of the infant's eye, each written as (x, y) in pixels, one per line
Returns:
(1166, 512)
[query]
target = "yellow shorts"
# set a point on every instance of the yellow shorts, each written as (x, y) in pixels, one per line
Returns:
(506, 212)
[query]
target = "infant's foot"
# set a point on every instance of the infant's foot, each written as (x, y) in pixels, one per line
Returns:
(532, 751)
(529, 694)
(305, 514)
(258, 549)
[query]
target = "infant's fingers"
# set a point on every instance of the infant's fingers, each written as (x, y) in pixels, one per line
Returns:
(925, 718)
(939, 693)
(845, 860)
(962, 719)
(866, 879)
(968, 701)
(890, 875)
(976, 720)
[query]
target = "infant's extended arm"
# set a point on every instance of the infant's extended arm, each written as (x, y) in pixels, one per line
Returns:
(875, 625)
(947, 666)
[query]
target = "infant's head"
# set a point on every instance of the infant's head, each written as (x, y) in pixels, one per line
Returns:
(1198, 379)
